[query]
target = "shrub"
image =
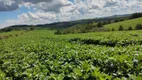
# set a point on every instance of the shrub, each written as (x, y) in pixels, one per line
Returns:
(100, 24)
(32, 28)
(138, 27)
(6, 29)
(121, 28)
(116, 20)
(112, 29)
(130, 28)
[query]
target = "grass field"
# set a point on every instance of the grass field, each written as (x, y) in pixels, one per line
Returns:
(125, 24)
(41, 55)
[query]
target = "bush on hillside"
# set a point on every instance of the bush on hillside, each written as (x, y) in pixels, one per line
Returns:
(130, 28)
(112, 29)
(138, 27)
(31, 28)
(120, 28)
(6, 29)
(116, 20)
(100, 24)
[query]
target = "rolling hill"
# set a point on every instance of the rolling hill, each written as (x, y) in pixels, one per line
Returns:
(125, 24)
(83, 25)
(67, 24)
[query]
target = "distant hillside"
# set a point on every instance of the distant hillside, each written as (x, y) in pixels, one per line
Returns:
(125, 24)
(67, 24)
(84, 25)
(62, 25)
(107, 24)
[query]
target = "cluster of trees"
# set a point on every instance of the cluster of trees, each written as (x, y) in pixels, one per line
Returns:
(121, 28)
(112, 21)
(136, 15)
(138, 27)
(90, 27)
(94, 28)
(8, 29)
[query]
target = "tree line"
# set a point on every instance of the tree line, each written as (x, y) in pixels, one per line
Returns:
(136, 15)
(137, 27)
(8, 29)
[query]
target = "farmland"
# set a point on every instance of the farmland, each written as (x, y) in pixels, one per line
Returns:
(40, 54)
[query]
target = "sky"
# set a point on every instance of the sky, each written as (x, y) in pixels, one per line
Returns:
(15, 12)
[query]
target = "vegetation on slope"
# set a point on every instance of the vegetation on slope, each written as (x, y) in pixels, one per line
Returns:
(126, 24)
(133, 22)
(122, 22)
(67, 24)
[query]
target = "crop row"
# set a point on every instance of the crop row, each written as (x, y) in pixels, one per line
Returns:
(52, 57)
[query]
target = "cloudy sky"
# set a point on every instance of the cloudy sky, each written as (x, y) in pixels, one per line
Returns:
(13, 12)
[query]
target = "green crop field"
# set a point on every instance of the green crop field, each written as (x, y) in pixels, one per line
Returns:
(41, 55)
(125, 24)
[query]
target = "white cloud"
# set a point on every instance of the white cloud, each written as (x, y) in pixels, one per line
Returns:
(36, 18)
(54, 5)
(47, 11)
(9, 5)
